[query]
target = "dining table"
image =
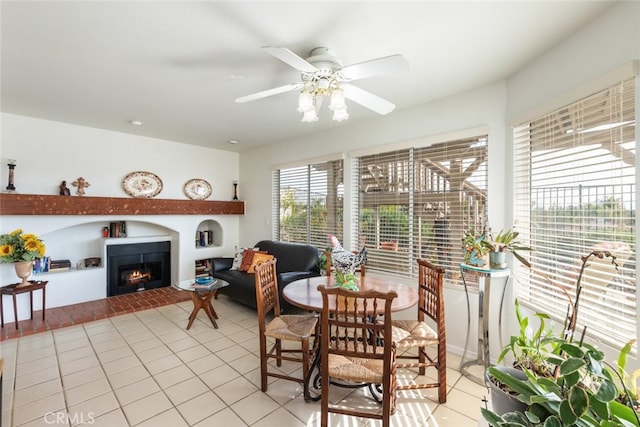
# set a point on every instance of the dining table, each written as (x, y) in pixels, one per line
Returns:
(304, 294)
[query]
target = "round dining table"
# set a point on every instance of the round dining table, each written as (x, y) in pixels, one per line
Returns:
(303, 293)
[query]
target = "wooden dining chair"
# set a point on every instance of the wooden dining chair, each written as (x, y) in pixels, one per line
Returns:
(353, 349)
(328, 268)
(282, 327)
(417, 335)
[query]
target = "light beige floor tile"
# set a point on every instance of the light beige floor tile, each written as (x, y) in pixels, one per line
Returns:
(121, 364)
(72, 345)
(109, 344)
(280, 417)
(173, 376)
(36, 392)
(114, 354)
(82, 377)
(128, 376)
(37, 377)
(219, 344)
(170, 418)
(235, 390)
(464, 403)
(160, 365)
(246, 363)
(154, 353)
(35, 365)
(232, 353)
(204, 364)
(193, 353)
(96, 406)
(75, 354)
(87, 391)
(136, 390)
(225, 417)
(147, 344)
(110, 419)
(38, 409)
(146, 408)
(261, 405)
(183, 344)
(445, 417)
(86, 362)
(186, 390)
(201, 407)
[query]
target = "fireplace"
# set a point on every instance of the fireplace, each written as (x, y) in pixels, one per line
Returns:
(138, 267)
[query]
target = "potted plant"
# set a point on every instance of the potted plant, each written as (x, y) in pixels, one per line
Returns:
(505, 241)
(475, 250)
(567, 382)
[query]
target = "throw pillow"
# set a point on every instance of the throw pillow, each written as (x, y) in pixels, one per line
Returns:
(237, 258)
(258, 258)
(247, 257)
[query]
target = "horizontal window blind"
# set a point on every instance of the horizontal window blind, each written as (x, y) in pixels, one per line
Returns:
(575, 193)
(307, 203)
(417, 202)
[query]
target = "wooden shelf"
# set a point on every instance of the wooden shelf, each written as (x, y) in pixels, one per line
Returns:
(36, 204)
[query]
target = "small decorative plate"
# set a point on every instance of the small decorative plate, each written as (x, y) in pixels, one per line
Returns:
(197, 189)
(142, 184)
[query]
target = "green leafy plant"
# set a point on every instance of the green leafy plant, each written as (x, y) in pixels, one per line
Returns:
(506, 241)
(473, 246)
(347, 280)
(628, 385)
(529, 349)
(18, 246)
(582, 392)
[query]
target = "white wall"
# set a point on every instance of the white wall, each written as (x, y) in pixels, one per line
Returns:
(48, 152)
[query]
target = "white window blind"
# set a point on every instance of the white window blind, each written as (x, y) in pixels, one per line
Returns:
(307, 203)
(575, 193)
(417, 202)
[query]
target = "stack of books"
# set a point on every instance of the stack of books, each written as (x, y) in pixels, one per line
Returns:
(203, 283)
(59, 265)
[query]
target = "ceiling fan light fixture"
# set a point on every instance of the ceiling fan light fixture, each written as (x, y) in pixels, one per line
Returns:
(337, 100)
(340, 114)
(305, 102)
(310, 116)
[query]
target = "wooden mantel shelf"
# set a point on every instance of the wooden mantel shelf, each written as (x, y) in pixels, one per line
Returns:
(36, 204)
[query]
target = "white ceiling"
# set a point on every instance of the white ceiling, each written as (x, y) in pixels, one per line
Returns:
(178, 66)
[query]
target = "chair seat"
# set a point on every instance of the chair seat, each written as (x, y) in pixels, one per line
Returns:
(412, 333)
(355, 369)
(292, 327)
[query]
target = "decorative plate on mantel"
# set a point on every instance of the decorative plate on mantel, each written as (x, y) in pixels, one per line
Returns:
(142, 184)
(197, 189)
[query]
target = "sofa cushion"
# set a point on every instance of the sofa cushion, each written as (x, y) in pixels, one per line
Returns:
(258, 258)
(247, 259)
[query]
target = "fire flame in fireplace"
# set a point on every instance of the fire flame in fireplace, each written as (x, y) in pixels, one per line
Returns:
(138, 276)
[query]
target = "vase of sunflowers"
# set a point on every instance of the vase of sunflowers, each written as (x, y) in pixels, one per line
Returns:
(21, 249)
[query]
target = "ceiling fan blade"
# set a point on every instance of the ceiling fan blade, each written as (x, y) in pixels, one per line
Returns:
(268, 92)
(367, 99)
(290, 58)
(375, 67)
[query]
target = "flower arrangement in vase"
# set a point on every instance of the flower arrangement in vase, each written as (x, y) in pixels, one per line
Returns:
(21, 249)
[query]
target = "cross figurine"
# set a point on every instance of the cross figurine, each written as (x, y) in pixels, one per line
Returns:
(81, 184)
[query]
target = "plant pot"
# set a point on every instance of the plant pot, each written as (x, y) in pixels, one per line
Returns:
(498, 260)
(23, 271)
(501, 400)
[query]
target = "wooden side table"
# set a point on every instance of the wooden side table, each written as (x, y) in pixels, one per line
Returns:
(14, 290)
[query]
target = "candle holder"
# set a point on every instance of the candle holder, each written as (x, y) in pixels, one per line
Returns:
(12, 165)
(235, 190)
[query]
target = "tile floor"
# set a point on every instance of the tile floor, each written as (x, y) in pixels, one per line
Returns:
(142, 368)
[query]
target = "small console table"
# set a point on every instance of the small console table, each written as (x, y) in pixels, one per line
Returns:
(14, 290)
(485, 277)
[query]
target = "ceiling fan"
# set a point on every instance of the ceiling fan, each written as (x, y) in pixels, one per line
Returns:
(322, 75)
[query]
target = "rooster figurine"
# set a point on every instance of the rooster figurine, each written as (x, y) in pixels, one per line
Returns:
(344, 260)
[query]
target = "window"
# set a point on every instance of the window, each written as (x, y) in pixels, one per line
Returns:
(307, 203)
(417, 202)
(575, 193)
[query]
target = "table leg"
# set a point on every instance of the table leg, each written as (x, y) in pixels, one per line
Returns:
(1, 311)
(484, 289)
(202, 301)
(15, 310)
(31, 304)
(43, 300)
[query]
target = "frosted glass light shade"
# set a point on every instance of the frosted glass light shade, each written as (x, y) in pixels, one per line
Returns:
(305, 102)
(310, 116)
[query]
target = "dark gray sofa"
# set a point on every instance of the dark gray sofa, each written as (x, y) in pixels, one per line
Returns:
(295, 261)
